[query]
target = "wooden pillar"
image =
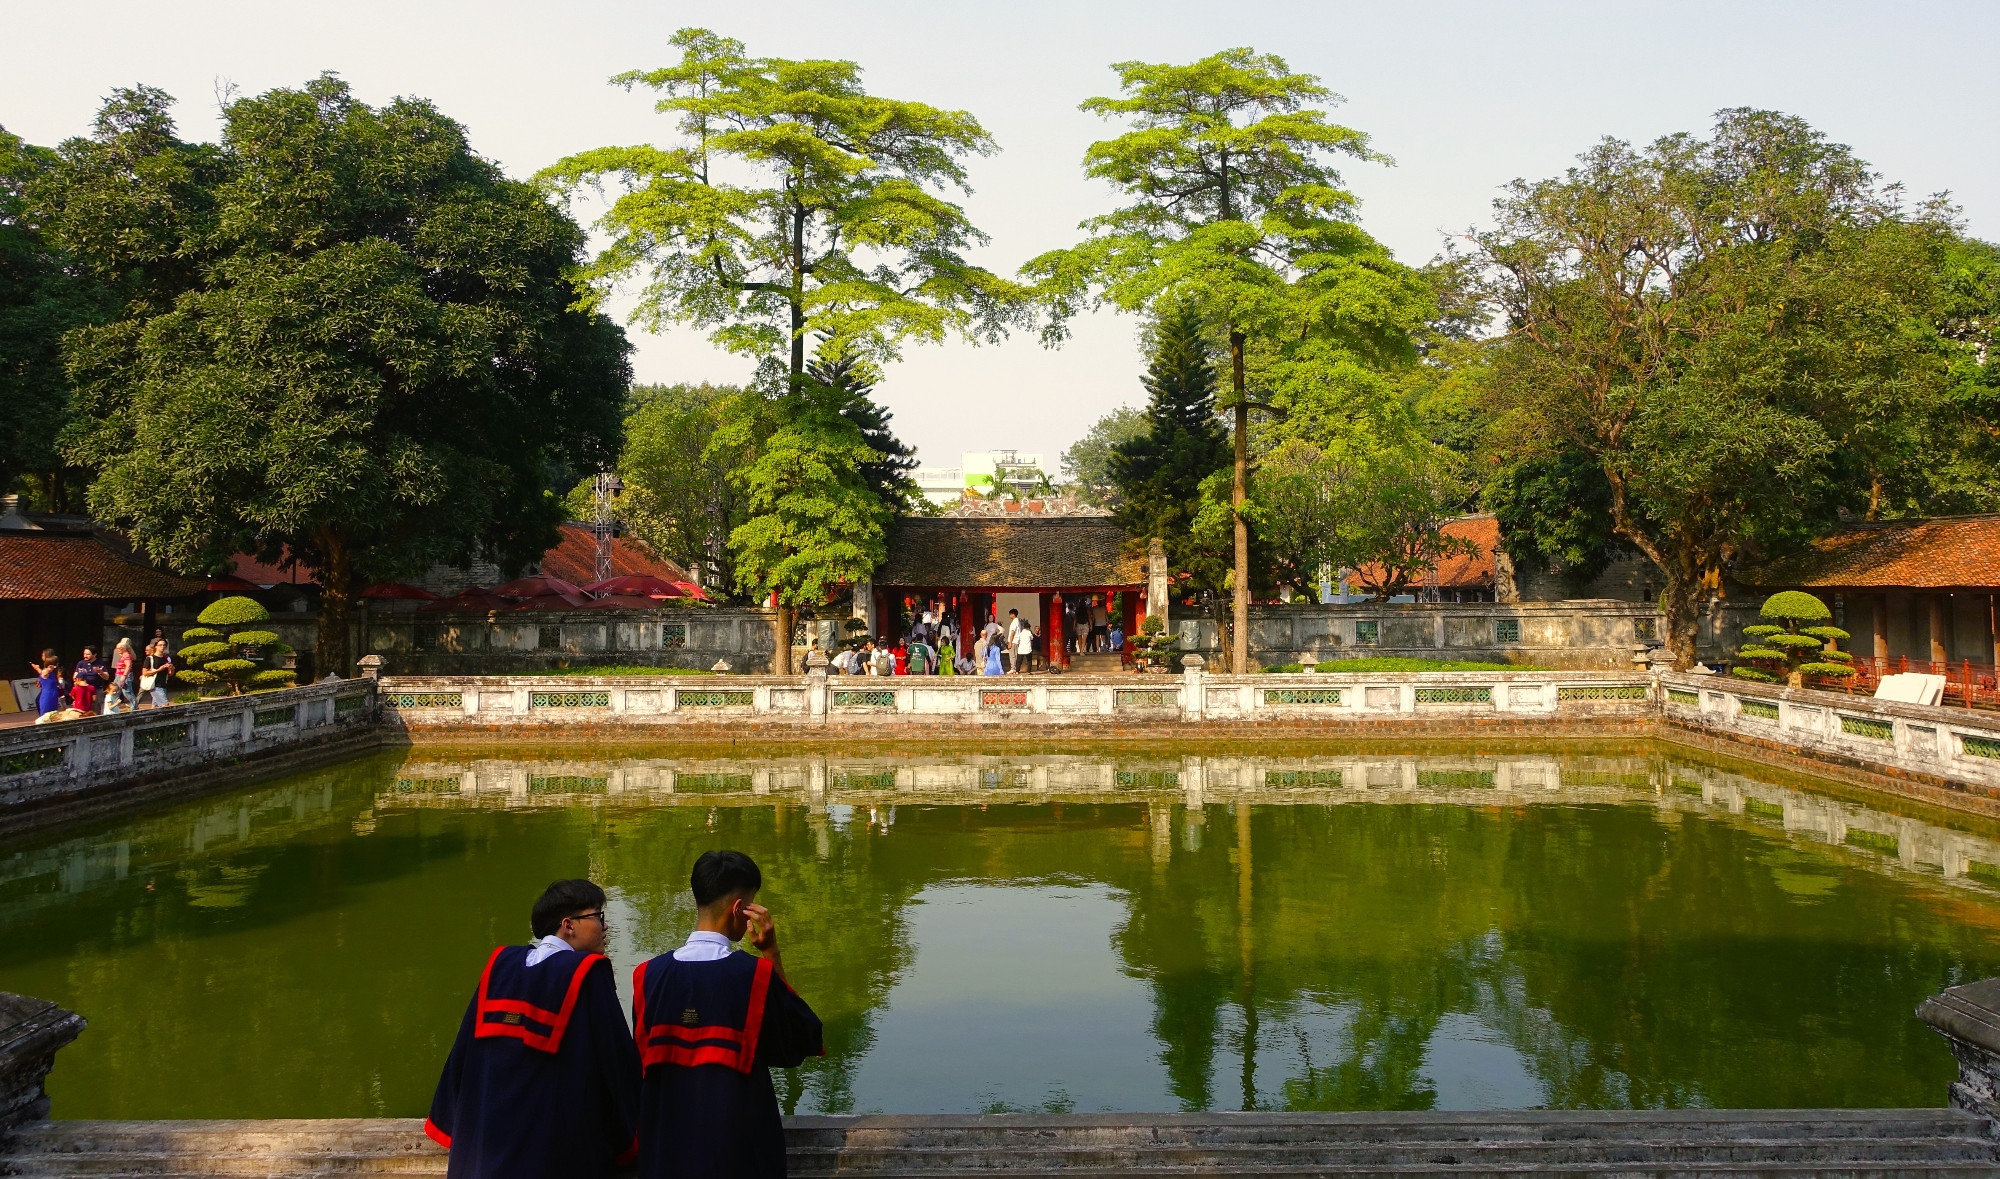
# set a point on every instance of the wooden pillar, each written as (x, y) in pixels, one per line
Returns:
(1881, 630)
(1992, 626)
(1128, 606)
(967, 632)
(1057, 638)
(1937, 603)
(1049, 608)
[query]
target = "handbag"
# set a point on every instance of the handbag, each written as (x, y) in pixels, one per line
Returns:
(146, 681)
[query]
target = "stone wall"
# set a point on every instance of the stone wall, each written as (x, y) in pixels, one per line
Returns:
(65, 765)
(420, 642)
(1578, 635)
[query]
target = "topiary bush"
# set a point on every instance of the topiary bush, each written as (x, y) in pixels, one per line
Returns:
(1783, 649)
(230, 652)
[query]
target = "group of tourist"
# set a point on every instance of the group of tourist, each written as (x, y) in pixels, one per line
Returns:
(547, 1077)
(934, 646)
(96, 687)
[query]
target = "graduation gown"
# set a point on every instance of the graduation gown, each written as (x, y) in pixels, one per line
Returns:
(709, 1034)
(544, 1077)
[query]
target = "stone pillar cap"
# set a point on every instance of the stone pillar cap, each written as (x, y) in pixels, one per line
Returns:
(1193, 662)
(1970, 1013)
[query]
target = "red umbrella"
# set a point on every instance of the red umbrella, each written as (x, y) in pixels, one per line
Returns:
(572, 601)
(398, 591)
(692, 590)
(537, 586)
(470, 598)
(230, 583)
(623, 602)
(641, 584)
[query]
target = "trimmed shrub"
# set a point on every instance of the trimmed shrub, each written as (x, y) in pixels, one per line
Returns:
(235, 657)
(1785, 650)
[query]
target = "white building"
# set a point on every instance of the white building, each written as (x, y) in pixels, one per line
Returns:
(1022, 470)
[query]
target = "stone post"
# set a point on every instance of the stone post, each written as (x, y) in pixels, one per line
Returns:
(1969, 1017)
(816, 689)
(1193, 691)
(371, 666)
(1157, 585)
(864, 604)
(31, 1030)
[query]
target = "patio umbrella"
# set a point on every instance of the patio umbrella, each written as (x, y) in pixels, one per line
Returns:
(470, 598)
(690, 589)
(623, 602)
(642, 584)
(537, 586)
(397, 591)
(576, 600)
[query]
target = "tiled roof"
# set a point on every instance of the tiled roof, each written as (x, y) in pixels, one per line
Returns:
(54, 567)
(575, 558)
(1460, 570)
(251, 569)
(985, 553)
(1949, 552)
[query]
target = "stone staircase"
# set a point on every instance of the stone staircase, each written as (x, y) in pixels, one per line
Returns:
(1792, 1143)
(1100, 663)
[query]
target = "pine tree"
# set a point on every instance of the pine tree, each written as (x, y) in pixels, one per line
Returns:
(853, 381)
(1159, 473)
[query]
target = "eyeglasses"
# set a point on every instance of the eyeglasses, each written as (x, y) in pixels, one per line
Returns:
(599, 916)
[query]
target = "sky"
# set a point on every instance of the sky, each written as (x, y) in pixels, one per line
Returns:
(1464, 96)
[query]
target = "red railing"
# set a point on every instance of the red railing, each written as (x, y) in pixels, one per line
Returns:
(1966, 684)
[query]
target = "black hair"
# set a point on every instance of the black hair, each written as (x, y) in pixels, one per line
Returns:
(564, 898)
(718, 873)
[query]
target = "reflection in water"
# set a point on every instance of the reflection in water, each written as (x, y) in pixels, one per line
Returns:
(1044, 933)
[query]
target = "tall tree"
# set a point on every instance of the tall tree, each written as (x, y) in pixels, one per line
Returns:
(1159, 474)
(1234, 209)
(796, 203)
(1086, 465)
(1739, 332)
(372, 365)
(850, 380)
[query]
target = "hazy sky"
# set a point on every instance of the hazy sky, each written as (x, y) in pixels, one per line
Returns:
(1464, 96)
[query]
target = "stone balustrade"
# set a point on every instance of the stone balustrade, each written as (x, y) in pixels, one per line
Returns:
(442, 702)
(1949, 745)
(67, 761)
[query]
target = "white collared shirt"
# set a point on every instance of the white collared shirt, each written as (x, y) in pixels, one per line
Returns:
(703, 946)
(547, 946)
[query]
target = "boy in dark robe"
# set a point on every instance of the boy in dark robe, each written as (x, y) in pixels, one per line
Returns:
(711, 1024)
(544, 1078)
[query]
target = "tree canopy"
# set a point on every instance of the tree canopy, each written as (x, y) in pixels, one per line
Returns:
(1086, 463)
(1737, 332)
(345, 335)
(1233, 209)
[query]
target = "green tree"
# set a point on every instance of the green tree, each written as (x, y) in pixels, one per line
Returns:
(1233, 209)
(813, 522)
(1086, 465)
(833, 228)
(234, 655)
(1159, 474)
(852, 379)
(1738, 331)
(374, 364)
(678, 499)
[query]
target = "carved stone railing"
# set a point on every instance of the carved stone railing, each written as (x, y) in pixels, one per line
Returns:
(31, 1030)
(1968, 1017)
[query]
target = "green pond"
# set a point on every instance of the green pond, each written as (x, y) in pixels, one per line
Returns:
(1130, 928)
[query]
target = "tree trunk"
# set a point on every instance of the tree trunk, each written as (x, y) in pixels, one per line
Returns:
(1680, 602)
(781, 659)
(331, 654)
(1239, 496)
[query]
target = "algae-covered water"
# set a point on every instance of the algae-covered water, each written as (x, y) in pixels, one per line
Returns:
(1125, 929)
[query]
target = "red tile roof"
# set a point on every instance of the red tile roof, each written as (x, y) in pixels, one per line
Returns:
(1460, 570)
(575, 558)
(1949, 552)
(252, 570)
(54, 567)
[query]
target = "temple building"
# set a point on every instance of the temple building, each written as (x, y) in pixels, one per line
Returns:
(1920, 590)
(976, 568)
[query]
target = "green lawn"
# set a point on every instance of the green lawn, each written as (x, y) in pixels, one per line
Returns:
(1390, 663)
